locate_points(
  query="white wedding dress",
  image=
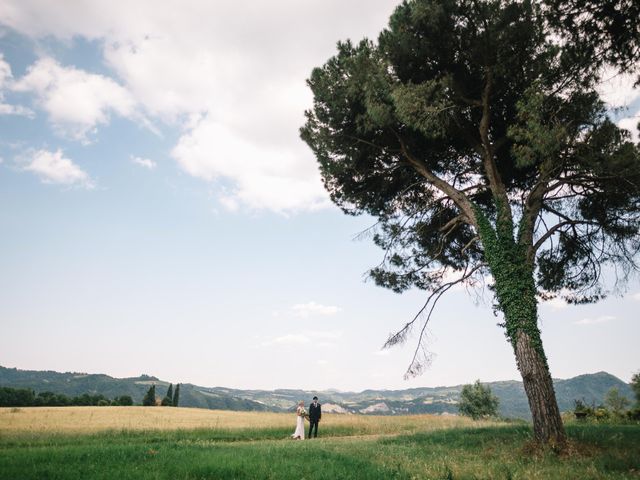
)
(299, 433)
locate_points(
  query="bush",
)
(601, 413)
(635, 386)
(582, 411)
(149, 399)
(124, 400)
(477, 401)
(634, 414)
(16, 397)
(616, 402)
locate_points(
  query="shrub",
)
(477, 401)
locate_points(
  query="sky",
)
(160, 215)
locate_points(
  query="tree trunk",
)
(515, 291)
(538, 385)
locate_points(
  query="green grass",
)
(501, 452)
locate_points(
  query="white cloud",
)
(6, 109)
(241, 73)
(6, 79)
(5, 71)
(76, 101)
(53, 167)
(263, 177)
(595, 321)
(144, 162)
(617, 90)
(305, 310)
(320, 339)
(631, 124)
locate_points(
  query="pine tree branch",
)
(458, 197)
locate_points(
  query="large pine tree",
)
(483, 149)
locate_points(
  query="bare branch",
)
(415, 367)
(432, 300)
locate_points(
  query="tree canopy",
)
(477, 401)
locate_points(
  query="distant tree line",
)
(171, 399)
(24, 397)
(615, 406)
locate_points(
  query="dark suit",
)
(315, 413)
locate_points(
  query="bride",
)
(301, 413)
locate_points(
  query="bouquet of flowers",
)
(303, 413)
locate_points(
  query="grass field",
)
(157, 443)
(95, 419)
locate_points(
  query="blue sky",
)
(160, 215)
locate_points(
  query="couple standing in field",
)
(313, 415)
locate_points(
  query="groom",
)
(315, 412)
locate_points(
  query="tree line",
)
(615, 406)
(25, 397)
(477, 401)
(171, 399)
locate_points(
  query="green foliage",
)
(615, 413)
(635, 386)
(385, 113)
(149, 399)
(514, 286)
(123, 400)
(477, 401)
(616, 402)
(21, 397)
(176, 396)
(16, 397)
(167, 401)
(582, 410)
(601, 30)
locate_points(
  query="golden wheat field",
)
(97, 419)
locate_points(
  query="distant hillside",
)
(73, 384)
(590, 388)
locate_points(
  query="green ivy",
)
(515, 288)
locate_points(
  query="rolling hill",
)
(591, 388)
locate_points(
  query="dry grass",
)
(96, 419)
